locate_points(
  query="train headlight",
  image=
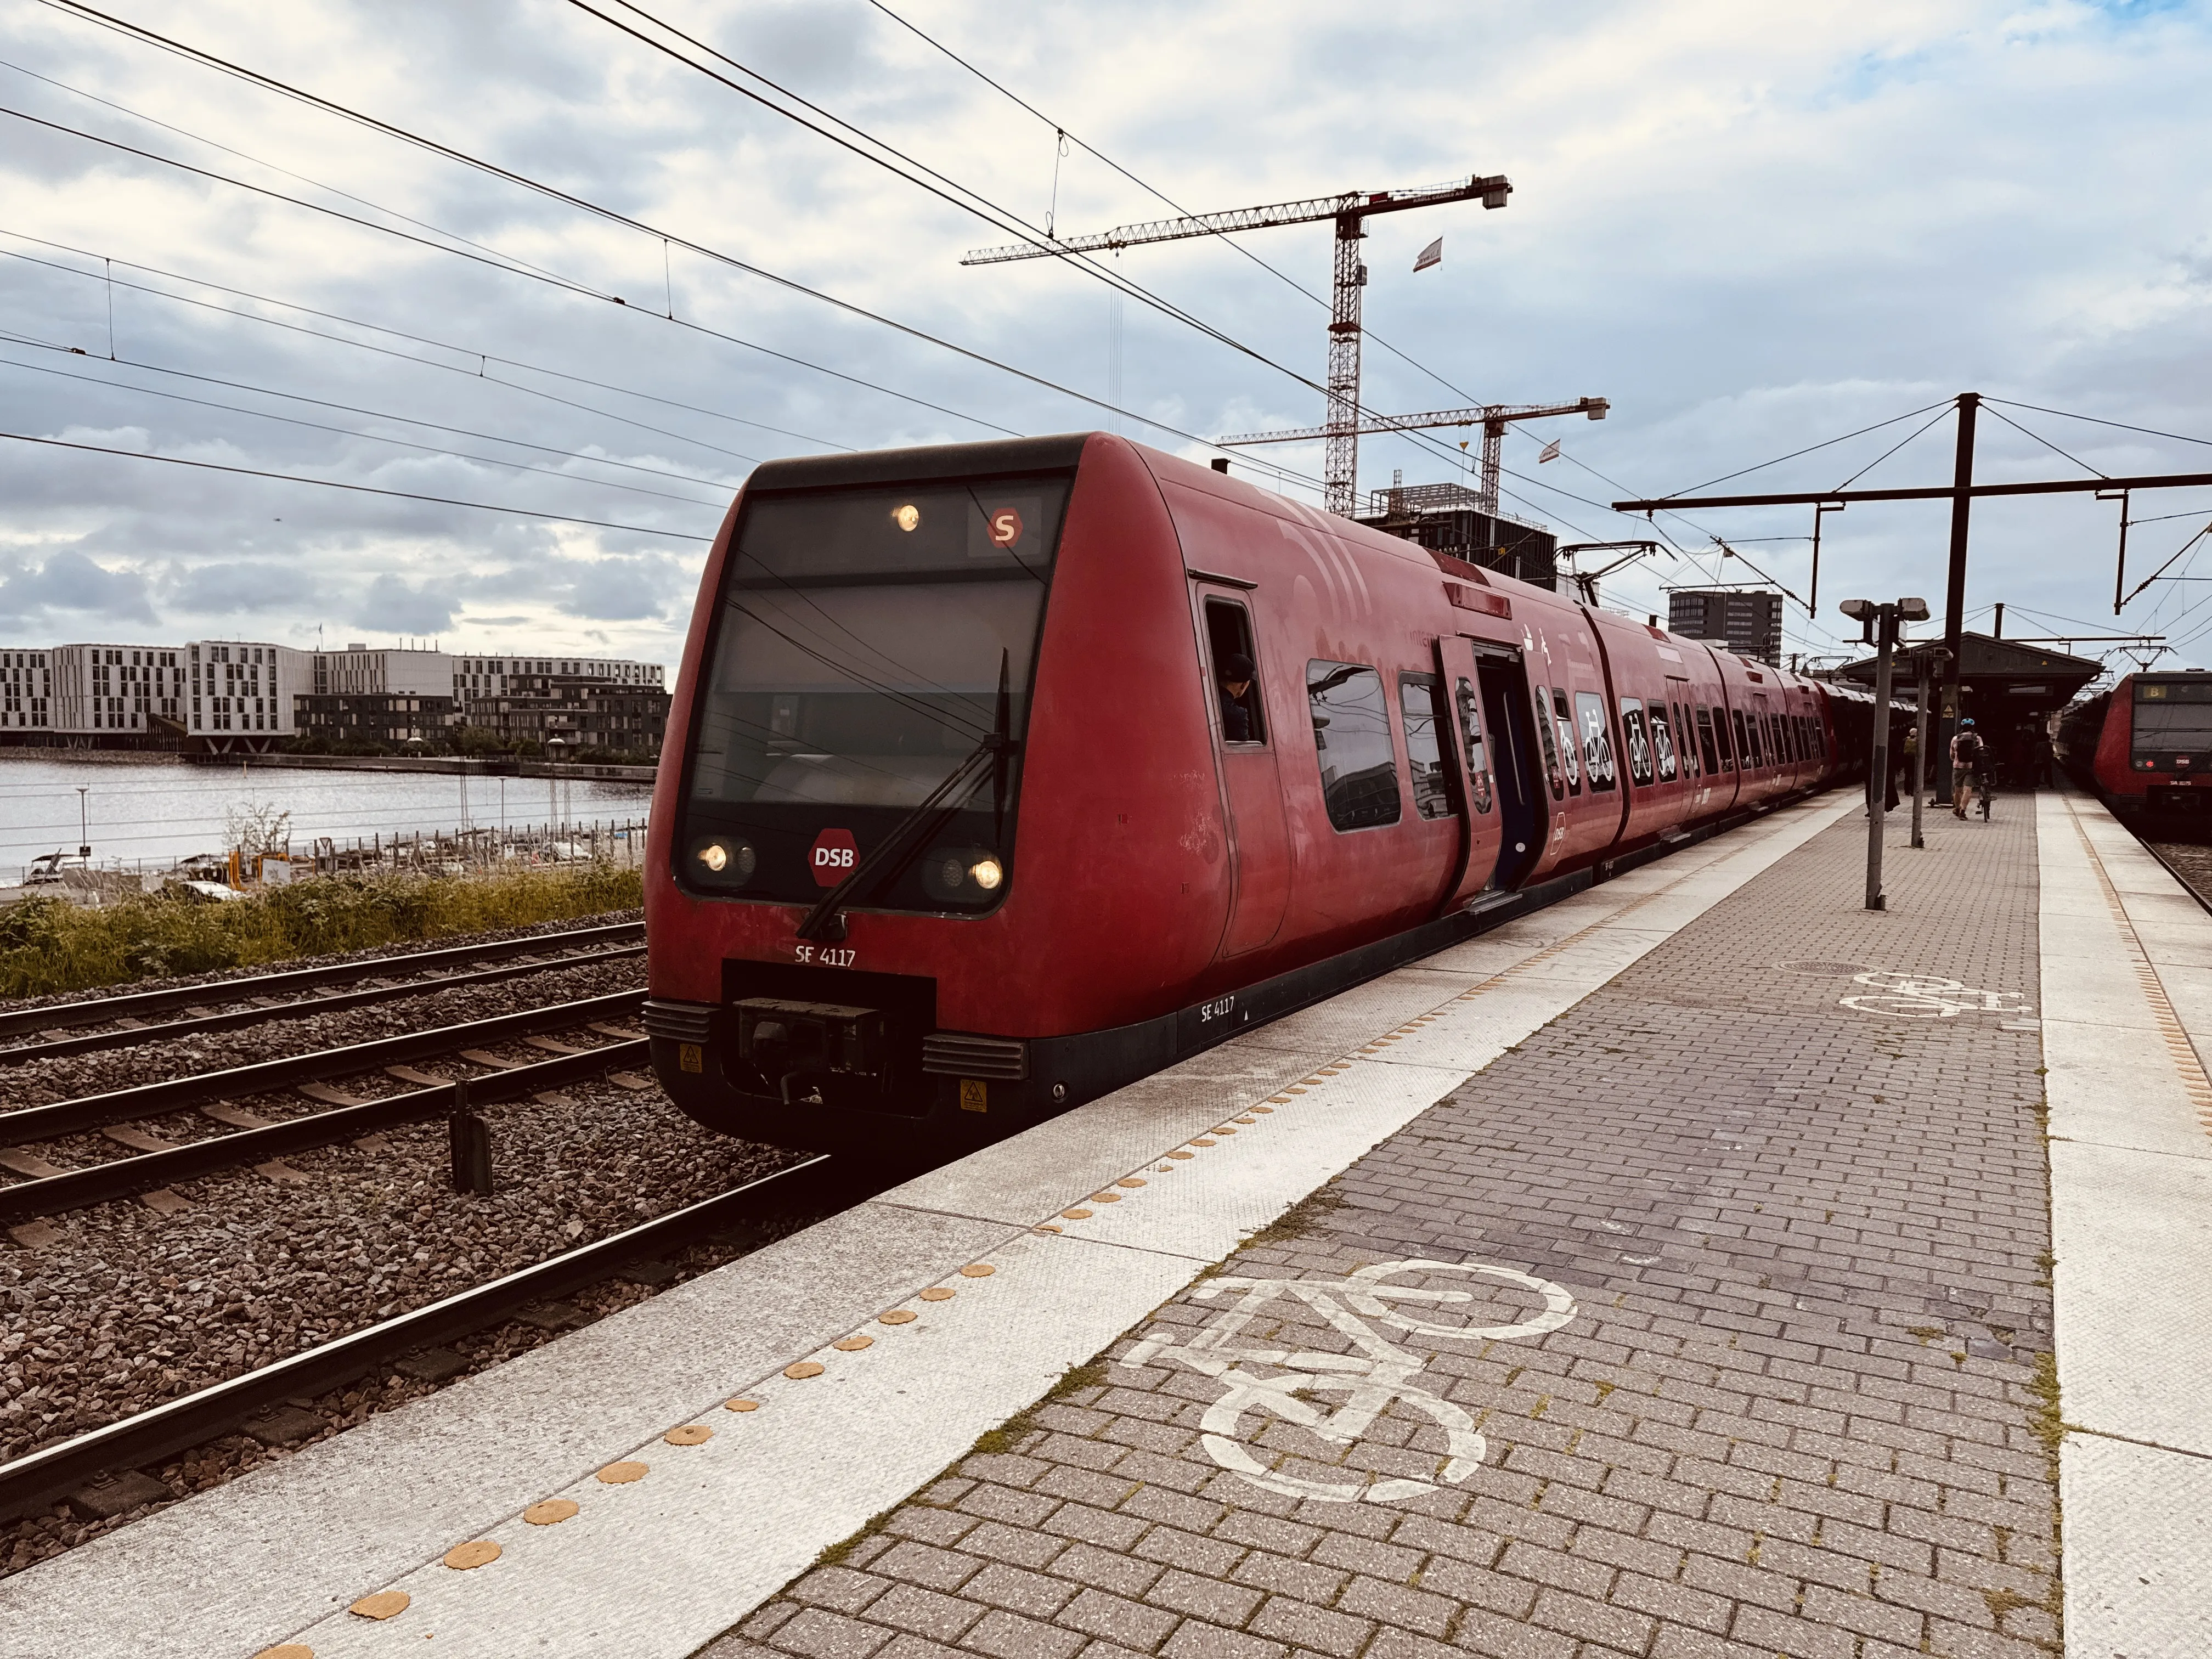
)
(725, 861)
(962, 875)
(908, 517)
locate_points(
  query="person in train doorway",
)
(1969, 755)
(1235, 682)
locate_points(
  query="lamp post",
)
(1880, 623)
(83, 825)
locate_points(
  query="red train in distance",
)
(2146, 744)
(1004, 774)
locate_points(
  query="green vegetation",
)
(50, 945)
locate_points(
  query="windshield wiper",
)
(826, 920)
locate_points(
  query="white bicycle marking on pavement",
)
(1917, 996)
(1371, 1379)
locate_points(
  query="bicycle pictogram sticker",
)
(1919, 996)
(1377, 1374)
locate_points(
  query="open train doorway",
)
(1505, 710)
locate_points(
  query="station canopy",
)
(2000, 681)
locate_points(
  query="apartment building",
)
(27, 693)
(242, 693)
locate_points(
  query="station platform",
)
(1702, 1266)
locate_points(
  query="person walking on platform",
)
(1969, 754)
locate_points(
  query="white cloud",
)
(1750, 235)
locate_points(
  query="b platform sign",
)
(833, 857)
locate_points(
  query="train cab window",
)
(1228, 638)
(1597, 741)
(1478, 754)
(1637, 737)
(1420, 699)
(1352, 739)
(1705, 746)
(1563, 717)
(1663, 744)
(1549, 740)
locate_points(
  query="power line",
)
(347, 432)
(1824, 444)
(554, 193)
(2048, 445)
(359, 490)
(1280, 275)
(2069, 414)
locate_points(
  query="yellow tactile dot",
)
(897, 1316)
(940, 1292)
(1075, 1215)
(977, 1270)
(691, 1434)
(853, 1343)
(1202, 1141)
(1105, 1197)
(1045, 1227)
(1248, 1120)
(1182, 1155)
(384, 1604)
(621, 1474)
(1263, 1109)
(799, 1370)
(1221, 1129)
(286, 1651)
(475, 1553)
(1296, 1089)
(741, 1404)
(551, 1513)
(1130, 1181)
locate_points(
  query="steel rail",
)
(58, 1015)
(37, 1478)
(65, 1117)
(171, 1030)
(102, 1183)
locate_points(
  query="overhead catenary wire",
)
(361, 489)
(584, 204)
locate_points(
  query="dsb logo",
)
(834, 854)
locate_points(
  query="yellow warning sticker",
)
(975, 1096)
(691, 1056)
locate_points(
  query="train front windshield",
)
(2172, 722)
(870, 641)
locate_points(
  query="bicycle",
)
(1982, 788)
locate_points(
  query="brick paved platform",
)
(1765, 1372)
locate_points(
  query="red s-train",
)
(2146, 744)
(970, 813)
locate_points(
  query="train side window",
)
(1685, 737)
(1705, 744)
(1351, 741)
(1663, 743)
(1721, 738)
(1597, 741)
(1478, 755)
(1420, 698)
(1229, 633)
(1549, 738)
(1638, 741)
(1562, 716)
(1757, 739)
(1819, 736)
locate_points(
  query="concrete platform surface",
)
(1086, 1225)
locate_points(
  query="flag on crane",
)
(1550, 452)
(1433, 254)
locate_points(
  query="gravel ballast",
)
(122, 1307)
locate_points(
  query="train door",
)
(1509, 722)
(1252, 787)
(1474, 742)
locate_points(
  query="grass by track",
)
(49, 944)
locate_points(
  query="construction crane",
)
(1494, 418)
(1351, 211)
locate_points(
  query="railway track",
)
(53, 1191)
(41, 1478)
(577, 947)
(2189, 863)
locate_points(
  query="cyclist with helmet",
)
(1970, 756)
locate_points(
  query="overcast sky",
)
(1752, 228)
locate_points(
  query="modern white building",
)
(241, 691)
(26, 691)
(498, 676)
(107, 691)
